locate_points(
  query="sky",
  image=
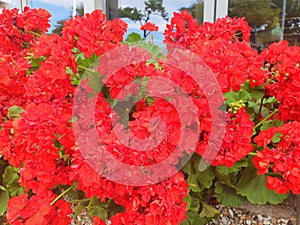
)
(62, 9)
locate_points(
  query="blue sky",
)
(62, 9)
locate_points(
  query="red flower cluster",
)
(37, 210)
(162, 203)
(40, 75)
(224, 46)
(149, 26)
(280, 157)
(41, 142)
(284, 80)
(237, 140)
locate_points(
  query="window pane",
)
(266, 19)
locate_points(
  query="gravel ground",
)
(229, 216)
(283, 214)
(234, 216)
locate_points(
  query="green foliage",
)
(95, 207)
(235, 168)
(9, 186)
(133, 37)
(271, 123)
(14, 112)
(10, 181)
(208, 211)
(4, 197)
(276, 138)
(227, 195)
(253, 187)
(199, 181)
(131, 13)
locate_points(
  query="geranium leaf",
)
(10, 175)
(198, 180)
(14, 112)
(233, 97)
(208, 211)
(10, 181)
(4, 196)
(227, 195)
(133, 37)
(235, 168)
(114, 208)
(256, 93)
(253, 187)
(78, 209)
(277, 138)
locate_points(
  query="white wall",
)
(214, 9)
(91, 5)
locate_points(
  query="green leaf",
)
(4, 197)
(14, 112)
(235, 168)
(201, 221)
(153, 49)
(193, 218)
(209, 211)
(270, 100)
(198, 180)
(100, 212)
(133, 37)
(95, 81)
(69, 71)
(276, 138)
(78, 209)
(227, 195)
(10, 175)
(271, 123)
(206, 177)
(233, 97)
(150, 100)
(2, 188)
(35, 62)
(195, 200)
(75, 193)
(113, 208)
(253, 187)
(85, 63)
(97, 208)
(256, 92)
(10, 181)
(194, 183)
(74, 119)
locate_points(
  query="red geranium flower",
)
(149, 26)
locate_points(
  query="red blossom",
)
(149, 26)
(282, 158)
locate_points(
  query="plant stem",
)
(266, 118)
(252, 154)
(80, 200)
(82, 67)
(32, 32)
(260, 107)
(62, 194)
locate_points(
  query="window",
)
(271, 20)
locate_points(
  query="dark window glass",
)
(268, 20)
